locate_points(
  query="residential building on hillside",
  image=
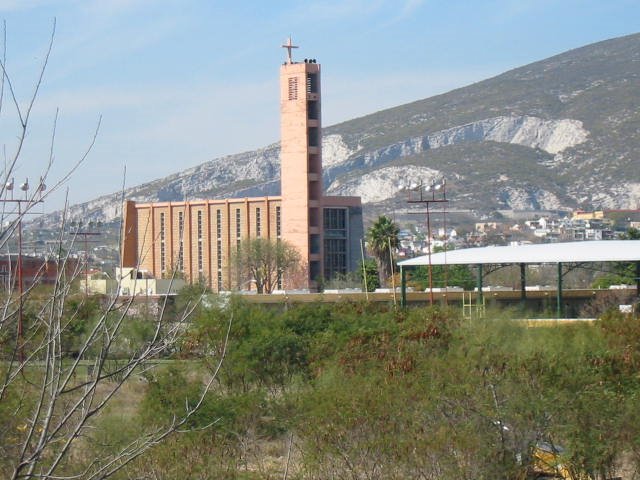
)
(198, 238)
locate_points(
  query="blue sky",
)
(178, 83)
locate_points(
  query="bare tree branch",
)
(56, 402)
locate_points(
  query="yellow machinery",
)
(546, 463)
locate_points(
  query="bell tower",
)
(301, 160)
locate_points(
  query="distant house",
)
(583, 215)
(132, 281)
(484, 227)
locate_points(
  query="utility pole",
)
(85, 234)
(427, 196)
(19, 202)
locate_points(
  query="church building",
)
(198, 238)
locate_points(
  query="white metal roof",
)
(588, 251)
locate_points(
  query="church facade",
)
(198, 238)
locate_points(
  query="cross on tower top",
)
(289, 45)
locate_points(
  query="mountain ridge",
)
(561, 133)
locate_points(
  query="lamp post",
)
(426, 194)
(19, 202)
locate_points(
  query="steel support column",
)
(559, 295)
(523, 284)
(479, 283)
(403, 287)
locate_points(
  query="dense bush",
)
(367, 391)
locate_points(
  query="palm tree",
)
(382, 236)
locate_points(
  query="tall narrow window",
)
(314, 163)
(279, 281)
(258, 223)
(293, 88)
(335, 242)
(312, 83)
(313, 110)
(180, 265)
(314, 243)
(238, 227)
(200, 261)
(219, 247)
(163, 264)
(313, 136)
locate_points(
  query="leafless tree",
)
(49, 402)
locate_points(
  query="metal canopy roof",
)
(587, 251)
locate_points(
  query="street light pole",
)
(19, 202)
(20, 283)
(427, 196)
(429, 254)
